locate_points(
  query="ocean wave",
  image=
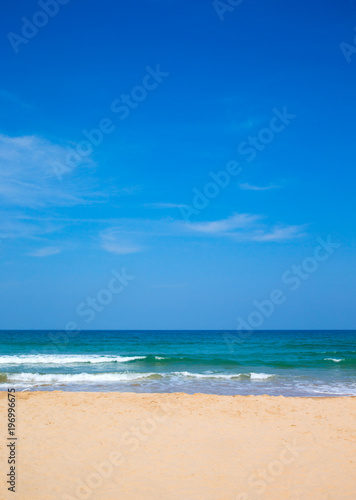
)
(207, 375)
(49, 378)
(80, 377)
(261, 376)
(234, 376)
(64, 359)
(147, 359)
(153, 361)
(339, 390)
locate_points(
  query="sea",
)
(279, 363)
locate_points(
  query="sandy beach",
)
(180, 447)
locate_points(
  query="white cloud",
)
(236, 221)
(29, 183)
(16, 226)
(45, 252)
(112, 240)
(28, 174)
(128, 234)
(250, 187)
(280, 233)
(166, 205)
(247, 227)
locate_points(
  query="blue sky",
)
(226, 150)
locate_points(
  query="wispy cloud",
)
(124, 191)
(248, 124)
(280, 233)
(250, 187)
(114, 241)
(166, 205)
(248, 227)
(45, 252)
(236, 221)
(14, 99)
(29, 188)
(13, 226)
(28, 178)
(134, 235)
(173, 285)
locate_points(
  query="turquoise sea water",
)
(288, 363)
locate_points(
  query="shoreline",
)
(169, 446)
(60, 391)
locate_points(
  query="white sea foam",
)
(252, 376)
(334, 359)
(78, 377)
(64, 359)
(56, 378)
(261, 376)
(339, 389)
(207, 375)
